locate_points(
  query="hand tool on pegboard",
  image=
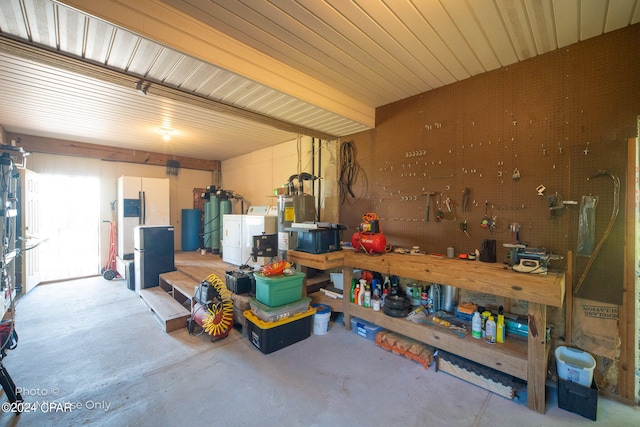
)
(485, 220)
(439, 214)
(465, 199)
(448, 202)
(463, 227)
(428, 204)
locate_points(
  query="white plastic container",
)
(336, 278)
(321, 319)
(575, 365)
(490, 334)
(476, 325)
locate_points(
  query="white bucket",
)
(321, 319)
(575, 365)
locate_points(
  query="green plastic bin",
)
(275, 291)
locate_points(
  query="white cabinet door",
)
(232, 239)
(129, 186)
(156, 196)
(153, 196)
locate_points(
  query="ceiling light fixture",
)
(166, 133)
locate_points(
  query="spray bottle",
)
(363, 285)
(376, 288)
(352, 297)
(356, 292)
(385, 289)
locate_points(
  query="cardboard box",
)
(578, 399)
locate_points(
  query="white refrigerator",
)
(237, 237)
(141, 201)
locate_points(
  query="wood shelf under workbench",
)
(322, 262)
(525, 359)
(509, 357)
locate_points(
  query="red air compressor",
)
(369, 237)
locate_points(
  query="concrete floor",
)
(92, 345)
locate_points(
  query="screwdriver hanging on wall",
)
(463, 227)
(440, 214)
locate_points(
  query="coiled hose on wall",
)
(348, 170)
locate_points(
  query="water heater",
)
(292, 208)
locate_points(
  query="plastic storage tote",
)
(273, 314)
(272, 336)
(365, 329)
(275, 291)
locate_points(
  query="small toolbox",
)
(241, 282)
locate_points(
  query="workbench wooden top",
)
(489, 278)
(322, 261)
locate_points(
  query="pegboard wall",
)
(520, 140)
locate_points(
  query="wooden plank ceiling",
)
(228, 77)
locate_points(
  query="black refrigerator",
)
(153, 254)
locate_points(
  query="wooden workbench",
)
(320, 261)
(525, 359)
